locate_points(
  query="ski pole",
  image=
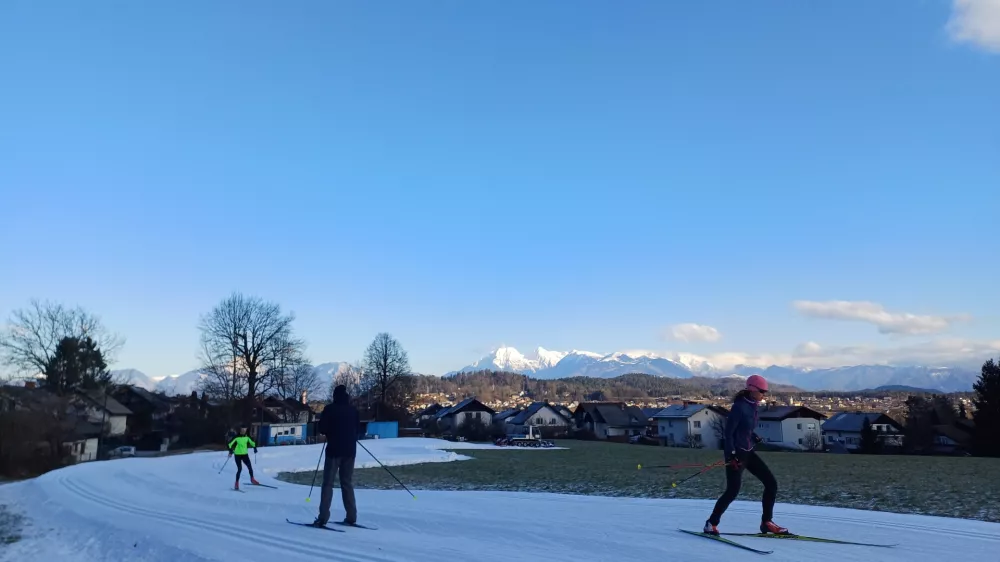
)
(386, 469)
(700, 472)
(689, 465)
(224, 464)
(315, 472)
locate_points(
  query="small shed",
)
(280, 433)
(382, 429)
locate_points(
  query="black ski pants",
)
(240, 461)
(734, 479)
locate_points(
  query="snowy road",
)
(181, 508)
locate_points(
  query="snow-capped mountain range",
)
(547, 364)
(184, 383)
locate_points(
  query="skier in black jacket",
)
(739, 454)
(339, 422)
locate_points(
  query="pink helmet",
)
(757, 382)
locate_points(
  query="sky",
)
(799, 183)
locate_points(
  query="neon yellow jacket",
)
(238, 445)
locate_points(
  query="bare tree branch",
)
(813, 441)
(246, 345)
(29, 341)
(386, 363)
(351, 377)
(719, 428)
(297, 379)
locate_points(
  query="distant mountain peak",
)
(547, 364)
(545, 358)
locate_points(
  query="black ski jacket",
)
(340, 423)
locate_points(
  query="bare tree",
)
(297, 379)
(385, 366)
(386, 363)
(29, 341)
(812, 441)
(351, 377)
(246, 343)
(719, 428)
(692, 440)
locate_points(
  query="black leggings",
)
(240, 461)
(734, 478)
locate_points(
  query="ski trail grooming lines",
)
(357, 525)
(725, 541)
(314, 526)
(794, 537)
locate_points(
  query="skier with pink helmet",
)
(739, 454)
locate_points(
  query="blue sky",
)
(465, 175)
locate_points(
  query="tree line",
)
(497, 385)
(925, 414)
(248, 350)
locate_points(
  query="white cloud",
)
(808, 349)
(934, 353)
(945, 352)
(976, 22)
(873, 313)
(693, 332)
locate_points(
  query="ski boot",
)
(710, 529)
(236, 486)
(767, 527)
(254, 481)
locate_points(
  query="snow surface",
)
(181, 508)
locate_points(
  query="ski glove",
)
(255, 450)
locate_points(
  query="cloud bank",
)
(934, 353)
(693, 332)
(976, 22)
(903, 323)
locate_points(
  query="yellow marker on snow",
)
(640, 467)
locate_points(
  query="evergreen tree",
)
(870, 444)
(919, 431)
(987, 414)
(77, 364)
(944, 411)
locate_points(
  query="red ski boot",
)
(254, 481)
(769, 527)
(710, 529)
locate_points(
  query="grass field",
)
(946, 486)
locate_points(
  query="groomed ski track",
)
(181, 508)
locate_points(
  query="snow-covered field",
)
(181, 508)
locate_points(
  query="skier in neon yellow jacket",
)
(238, 446)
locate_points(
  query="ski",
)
(726, 541)
(314, 526)
(358, 525)
(792, 536)
(264, 485)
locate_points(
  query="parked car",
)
(123, 451)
